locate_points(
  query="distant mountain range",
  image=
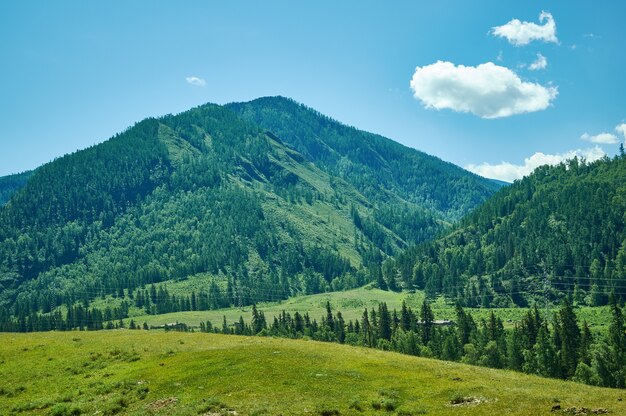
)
(267, 199)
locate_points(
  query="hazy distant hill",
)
(12, 183)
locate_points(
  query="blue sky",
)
(74, 73)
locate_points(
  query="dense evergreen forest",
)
(559, 231)
(210, 191)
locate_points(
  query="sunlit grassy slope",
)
(351, 303)
(167, 373)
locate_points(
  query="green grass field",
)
(351, 304)
(167, 373)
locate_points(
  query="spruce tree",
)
(405, 317)
(545, 359)
(569, 337)
(329, 322)
(427, 322)
(384, 322)
(368, 339)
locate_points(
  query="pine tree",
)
(257, 322)
(616, 356)
(340, 328)
(427, 322)
(543, 359)
(405, 317)
(384, 322)
(586, 340)
(515, 350)
(368, 338)
(329, 322)
(569, 337)
(465, 325)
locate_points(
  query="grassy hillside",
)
(148, 372)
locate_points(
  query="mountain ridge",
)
(323, 140)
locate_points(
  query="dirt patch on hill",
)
(466, 401)
(579, 411)
(161, 404)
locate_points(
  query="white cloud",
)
(508, 172)
(522, 33)
(602, 138)
(199, 82)
(486, 90)
(621, 128)
(540, 63)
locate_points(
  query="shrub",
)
(327, 411)
(63, 409)
(211, 405)
(356, 405)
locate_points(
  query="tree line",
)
(556, 346)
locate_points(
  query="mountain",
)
(11, 184)
(211, 193)
(381, 169)
(559, 230)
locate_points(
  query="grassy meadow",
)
(351, 304)
(167, 373)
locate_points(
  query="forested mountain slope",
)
(11, 184)
(380, 168)
(559, 230)
(207, 192)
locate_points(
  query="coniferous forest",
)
(558, 231)
(555, 346)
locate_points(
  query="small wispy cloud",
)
(602, 138)
(621, 128)
(198, 82)
(540, 63)
(509, 172)
(520, 33)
